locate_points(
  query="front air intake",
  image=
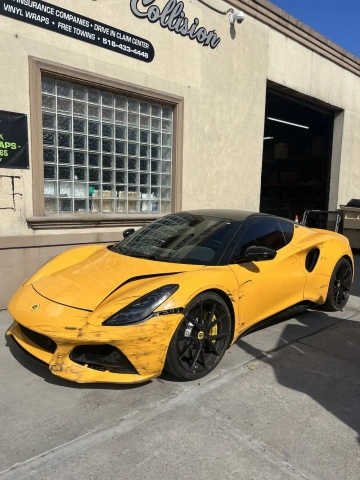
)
(40, 340)
(102, 358)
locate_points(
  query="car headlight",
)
(142, 308)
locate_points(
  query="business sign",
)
(65, 22)
(13, 140)
(173, 17)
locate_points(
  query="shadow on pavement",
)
(325, 365)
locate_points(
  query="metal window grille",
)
(103, 152)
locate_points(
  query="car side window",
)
(288, 230)
(262, 233)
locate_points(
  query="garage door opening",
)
(296, 156)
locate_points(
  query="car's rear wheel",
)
(201, 339)
(339, 286)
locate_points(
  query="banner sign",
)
(13, 140)
(65, 22)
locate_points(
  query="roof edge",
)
(273, 16)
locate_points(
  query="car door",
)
(267, 287)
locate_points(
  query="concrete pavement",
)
(283, 404)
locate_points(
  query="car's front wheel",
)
(201, 339)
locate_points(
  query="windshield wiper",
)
(146, 257)
(117, 248)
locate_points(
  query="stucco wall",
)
(223, 90)
(307, 72)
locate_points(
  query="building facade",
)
(116, 113)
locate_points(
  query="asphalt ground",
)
(284, 403)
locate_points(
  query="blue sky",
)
(338, 21)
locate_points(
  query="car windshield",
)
(180, 238)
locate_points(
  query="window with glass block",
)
(104, 152)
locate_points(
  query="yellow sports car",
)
(174, 294)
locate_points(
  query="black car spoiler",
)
(332, 220)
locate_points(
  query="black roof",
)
(236, 215)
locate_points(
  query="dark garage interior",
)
(296, 156)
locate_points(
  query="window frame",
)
(39, 220)
(283, 221)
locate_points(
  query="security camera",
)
(237, 17)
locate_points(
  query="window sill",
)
(51, 222)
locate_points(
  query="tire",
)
(339, 286)
(201, 339)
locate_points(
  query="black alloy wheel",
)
(201, 339)
(340, 286)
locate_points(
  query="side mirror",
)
(260, 254)
(128, 232)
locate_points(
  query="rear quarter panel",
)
(332, 247)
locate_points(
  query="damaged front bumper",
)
(127, 354)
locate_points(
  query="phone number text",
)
(125, 48)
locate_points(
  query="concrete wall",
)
(224, 100)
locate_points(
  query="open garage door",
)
(296, 156)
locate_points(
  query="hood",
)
(88, 283)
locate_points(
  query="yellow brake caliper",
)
(214, 329)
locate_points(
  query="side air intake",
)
(312, 259)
